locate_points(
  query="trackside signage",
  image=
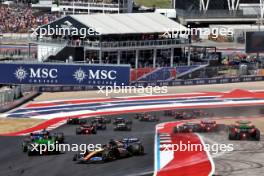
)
(64, 74)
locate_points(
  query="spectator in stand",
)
(17, 19)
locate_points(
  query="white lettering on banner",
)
(43, 73)
(103, 74)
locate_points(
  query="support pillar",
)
(137, 56)
(100, 56)
(118, 57)
(154, 57)
(172, 57)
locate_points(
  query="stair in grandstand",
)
(50, 51)
(185, 70)
(75, 53)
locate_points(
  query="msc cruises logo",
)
(36, 75)
(80, 75)
(21, 73)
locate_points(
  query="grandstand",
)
(135, 39)
(163, 73)
(219, 11)
(87, 6)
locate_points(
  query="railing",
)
(83, 4)
(214, 14)
(10, 94)
(170, 73)
(143, 43)
(121, 44)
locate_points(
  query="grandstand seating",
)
(163, 74)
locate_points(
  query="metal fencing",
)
(10, 94)
(195, 72)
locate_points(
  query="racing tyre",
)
(78, 131)
(257, 137)
(94, 131)
(75, 157)
(232, 136)
(60, 138)
(108, 156)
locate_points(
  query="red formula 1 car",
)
(243, 130)
(208, 125)
(86, 129)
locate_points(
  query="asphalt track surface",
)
(247, 159)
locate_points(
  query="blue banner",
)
(64, 74)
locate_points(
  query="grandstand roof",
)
(129, 23)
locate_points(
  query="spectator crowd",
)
(20, 19)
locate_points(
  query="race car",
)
(148, 118)
(139, 115)
(180, 115)
(86, 129)
(122, 127)
(188, 127)
(208, 125)
(76, 121)
(201, 113)
(169, 112)
(243, 130)
(119, 120)
(43, 137)
(115, 149)
(99, 126)
(100, 119)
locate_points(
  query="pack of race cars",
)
(100, 123)
(117, 149)
(241, 130)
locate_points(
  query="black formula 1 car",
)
(101, 119)
(86, 129)
(203, 126)
(119, 120)
(99, 126)
(187, 114)
(139, 115)
(169, 112)
(76, 121)
(243, 130)
(148, 118)
(201, 113)
(187, 128)
(115, 149)
(122, 127)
